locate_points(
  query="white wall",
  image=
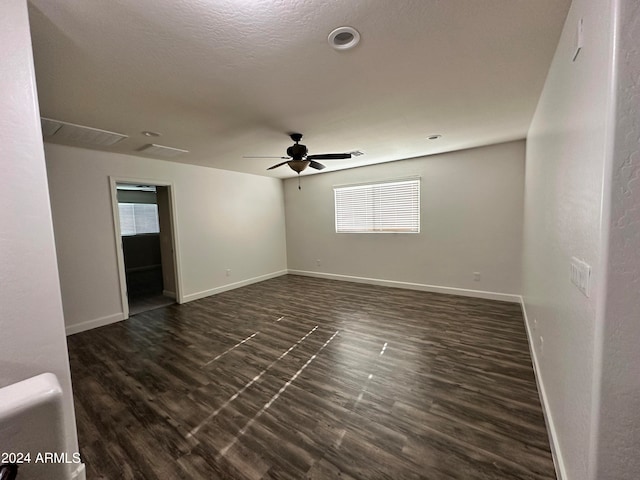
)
(32, 339)
(568, 148)
(471, 216)
(618, 424)
(225, 220)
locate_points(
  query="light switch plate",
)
(580, 275)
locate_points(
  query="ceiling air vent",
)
(71, 133)
(356, 153)
(162, 151)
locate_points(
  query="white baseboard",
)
(79, 473)
(231, 286)
(505, 297)
(548, 418)
(95, 323)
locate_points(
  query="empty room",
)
(364, 239)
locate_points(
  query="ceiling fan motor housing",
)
(297, 151)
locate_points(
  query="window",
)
(138, 218)
(379, 207)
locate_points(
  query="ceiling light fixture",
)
(344, 38)
(434, 137)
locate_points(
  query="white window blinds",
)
(138, 218)
(378, 207)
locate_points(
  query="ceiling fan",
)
(298, 160)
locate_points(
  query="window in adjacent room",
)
(138, 218)
(385, 207)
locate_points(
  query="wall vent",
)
(162, 151)
(72, 133)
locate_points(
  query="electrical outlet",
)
(476, 276)
(318, 262)
(228, 272)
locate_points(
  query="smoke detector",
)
(344, 38)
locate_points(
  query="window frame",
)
(373, 221)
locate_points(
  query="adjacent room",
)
(262, 239)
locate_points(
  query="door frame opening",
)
(113, 182)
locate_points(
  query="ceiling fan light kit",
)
(299, 165)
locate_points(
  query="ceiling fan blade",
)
(247, 156)
(329, 156)
(278, 165)
(316, 165)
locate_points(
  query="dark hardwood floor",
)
(300, 377)
(144, 303)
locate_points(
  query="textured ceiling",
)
(229, 78)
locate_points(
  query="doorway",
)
(143, 214)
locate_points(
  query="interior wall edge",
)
(556, 452)
(487, 295)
